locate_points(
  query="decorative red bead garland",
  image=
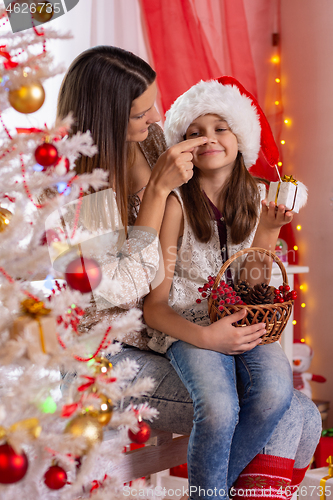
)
(101, 346)
(27, 190)
(11, 280)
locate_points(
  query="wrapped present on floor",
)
(289, 192)
(37, 327)
(317, 483)
(324, 449)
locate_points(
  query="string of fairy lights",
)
(280, 123)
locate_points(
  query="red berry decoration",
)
(224, 293)
(142, 435)
(61, 166)
(83, 274)
(55, 477)
(46, 154)
(13, 466)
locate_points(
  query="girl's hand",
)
(223, 337)
(174, 167)
(273, 217)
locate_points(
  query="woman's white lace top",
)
(194, 263)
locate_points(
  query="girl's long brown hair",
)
(99, 89)
(239, 199)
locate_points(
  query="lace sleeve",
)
(130, 271)
(129, 264)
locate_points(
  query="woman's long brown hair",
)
(239, 199)
(99, 89)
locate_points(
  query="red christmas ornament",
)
(46, 154)
(55, 477)
(61, 166)
(83, 274)
(142, 435)
(13, 466)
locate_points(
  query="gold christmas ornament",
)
(86, 426)
(31, 425)
(44, 12)
(5, 216)
(28, 98)
(102, 411)
(102, 366)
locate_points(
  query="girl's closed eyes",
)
(194, 131)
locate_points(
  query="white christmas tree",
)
(58, 391)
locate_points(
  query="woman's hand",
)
(272, 217)
(223, 337)
(174, 167)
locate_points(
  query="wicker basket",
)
(274, 315)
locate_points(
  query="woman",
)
(112, 92)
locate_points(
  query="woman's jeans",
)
(226, 434)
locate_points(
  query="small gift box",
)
(288, 192)
(323, 450)
(317, 483)
(37, 326)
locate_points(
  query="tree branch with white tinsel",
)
(59, 395)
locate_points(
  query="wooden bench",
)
(163, 451)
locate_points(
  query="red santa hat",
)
(227, 98)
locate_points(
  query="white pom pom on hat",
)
(227, 98)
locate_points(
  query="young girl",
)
(210, 218)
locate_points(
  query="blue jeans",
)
(298, 432)
(227, 435)
(296, 435)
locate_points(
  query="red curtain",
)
(193, 40)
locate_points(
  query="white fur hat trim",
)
(224, 100)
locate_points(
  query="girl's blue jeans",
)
(238, 402)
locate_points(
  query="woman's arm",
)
(257, 268)
(220, 336)
(135, 265)
(172, 169)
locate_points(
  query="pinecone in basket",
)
(260, 294)
(242, 289)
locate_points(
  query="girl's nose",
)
(153, 115)
(211, 136)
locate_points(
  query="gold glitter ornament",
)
(5, 216)
(28, 98)
(44, 12)
(102, 366)
(86, 426)
(103, 414)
